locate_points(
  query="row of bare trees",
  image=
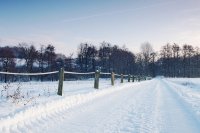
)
(171, 61)
(26, 58)
(179, 61)
(107, 58)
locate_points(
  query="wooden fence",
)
(97, 74)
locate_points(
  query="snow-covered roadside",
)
(34, 93)
(123, 111)
(154, 106)
(54, 105)
(189, 91)
(145, 107)
(193, 83)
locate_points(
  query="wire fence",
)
(28, 74)
(77, 73)
(96, 75)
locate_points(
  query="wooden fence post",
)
(5, 78)
(133, 78)
(96, 79)
(129, 78)
(112, 78)
(122, 78)
(60, 84)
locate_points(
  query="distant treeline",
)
(171, 61)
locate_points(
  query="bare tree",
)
(29, 53)
(41, 60)
(196, 62)
(7, 59)
(166, 55)
(105, 51)
(50, 56)
(187, 52)
(176, 54)
(146, 50)
(86, 56)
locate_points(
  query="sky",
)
(67, 23)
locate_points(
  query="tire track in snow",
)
(150, 107)
(190, 98)
(101, 118)
(31, 116)
(145, 107)
(124, 111)
(177, 117)
(146, 118)
(134, 110)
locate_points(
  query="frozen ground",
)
(155, 106)
(34, 93)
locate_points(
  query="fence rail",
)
(117, 74)
(77, 73)
(96, 77)
(105, 73)
(29, 74)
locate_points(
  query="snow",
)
(160, 105)
(42, 92)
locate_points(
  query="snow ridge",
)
(42, 111)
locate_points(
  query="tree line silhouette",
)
(171, 61)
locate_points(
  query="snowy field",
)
(160, 105)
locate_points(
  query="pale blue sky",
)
(66, 23)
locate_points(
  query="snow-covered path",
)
(153, 106)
